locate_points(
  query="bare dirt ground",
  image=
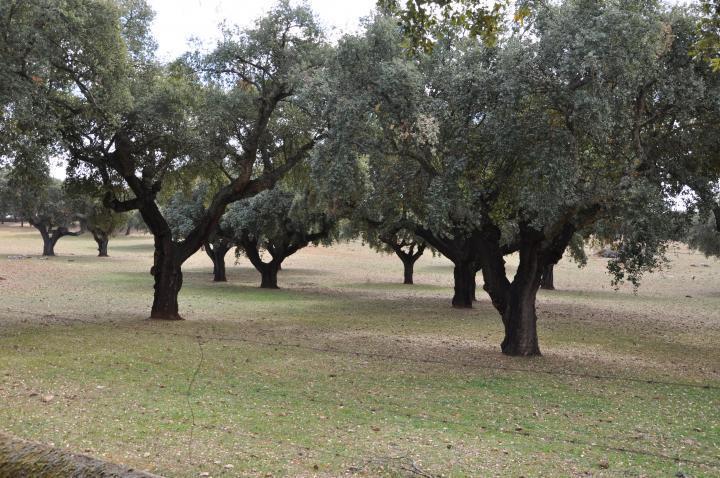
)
(345, 371)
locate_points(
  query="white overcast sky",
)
(177, 21)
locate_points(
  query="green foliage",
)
(136, 222)
(704, 235)
(576, 248)
(104, 220)
(279, 220)
(50, 207)
(423, 21)
(581, 122)
(707, 46)
(184, 211)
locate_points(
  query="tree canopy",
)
(518, 146)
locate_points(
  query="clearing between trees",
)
(345, 371)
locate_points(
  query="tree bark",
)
(102, 240)
(51, 236)
(520, 318)
(269, 275)
(464, 274)
(48, 243)
(217, 251)
(408, 266)
(547, 281)
(167, 272)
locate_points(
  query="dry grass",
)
(345, 371)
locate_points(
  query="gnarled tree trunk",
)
(268, 270)
(515, 301)
(102, 239)
(519, 317)
(167, 273)
(48, 243)
(51, 236)
(217, 251)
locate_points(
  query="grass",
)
(346, 372)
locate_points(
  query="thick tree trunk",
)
(268, 270)
(408, 266)
(218, 252)
(520, 321)
(49, 238)
(547, 281)
(464, 274)
(49, 245)
(102, 240)
(168, 280)
(219, 274)
(519, 317)
(269, 275)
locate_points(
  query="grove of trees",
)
(473, 131)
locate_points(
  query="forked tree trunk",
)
(167, 273)
(268, 270)
(408, 257)
(51, 236)
(464, 274)
(102, 240)
(547, 281)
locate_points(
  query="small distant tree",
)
(6, 203)
(280, 223)
(405, 245)
(52, 213)
(103, 223)
(408, 248)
